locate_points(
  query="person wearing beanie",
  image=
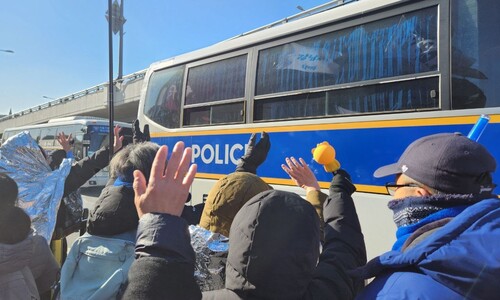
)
(448, 219)
(274, 251)
(27, 267)
(226, 198)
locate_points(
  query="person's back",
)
(274, 242)
(96, 268)
(448, 237)
(274, 246)
(98, 262)
(27, 267)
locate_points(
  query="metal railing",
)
(62, 100)
(303, 14)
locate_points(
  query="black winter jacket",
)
(114, 211)
(84, 169)
(79, 173)
(274, 247)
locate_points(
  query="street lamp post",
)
(7, 50)
(111, 85)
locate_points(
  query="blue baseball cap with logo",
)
(447, 162)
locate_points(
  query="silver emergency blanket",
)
(211, 254)
(40, 188)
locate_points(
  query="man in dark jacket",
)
(274, 246)
(87, 167)
(448, 237)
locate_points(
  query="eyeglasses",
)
(392, 187)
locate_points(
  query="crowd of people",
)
(274, 244)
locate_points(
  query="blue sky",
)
(61, 46)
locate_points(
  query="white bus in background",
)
(89, 135)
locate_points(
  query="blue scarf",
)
(412, 213)
(120, 182)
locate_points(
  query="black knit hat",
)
(447, 162)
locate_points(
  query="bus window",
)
(47, 137)
(216, 82)
(163, 100)
(476, 48)
(78, 151)
(35, 134)
(98, 137)
(397, 46)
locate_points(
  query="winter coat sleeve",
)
(164, 265)
(344, 247)
(43, 265)
(84, 169)
(317, 199)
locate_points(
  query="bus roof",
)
(264, 33)
(82, 120)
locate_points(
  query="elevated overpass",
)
(89, 102)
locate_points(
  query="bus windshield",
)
(98, 136)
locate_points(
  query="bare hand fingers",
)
(158, 167)
(139, 190)
(184, 163)
(189, 178)
(175, 160)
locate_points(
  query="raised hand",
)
(301, 174)
(118, 140)
(255, 154)
(168, 188)
(138, 136)
(64, 141)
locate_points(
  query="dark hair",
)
(133, 157)
(56, 158)
(15, 225)
(9, 190)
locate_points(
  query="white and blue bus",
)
(89, 135)
(368, 76)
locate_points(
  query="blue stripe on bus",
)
(360, 151)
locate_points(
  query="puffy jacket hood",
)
(274, 247)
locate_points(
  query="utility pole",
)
(121, 21)
(111, 85)
(116, 20)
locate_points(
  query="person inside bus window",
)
(166, 111)
(28, 268)
(448, 219)
(275, 240)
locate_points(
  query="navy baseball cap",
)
(447, 162)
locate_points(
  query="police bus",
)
(89, 135)
(368, 76)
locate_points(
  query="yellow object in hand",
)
(324, 154)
